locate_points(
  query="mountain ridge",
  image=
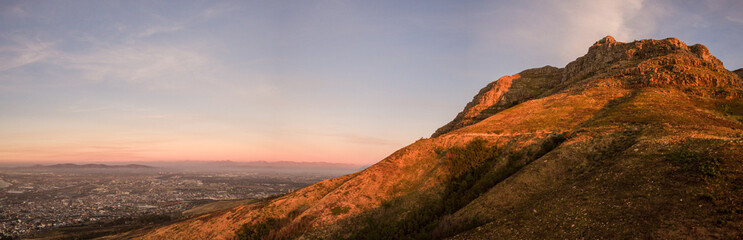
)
(500, 94)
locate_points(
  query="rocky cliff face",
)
(667, 62)
(504, 93)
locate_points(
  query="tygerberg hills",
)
(632, 140)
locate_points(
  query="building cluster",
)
(37, 202)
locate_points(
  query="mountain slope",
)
(638, 139)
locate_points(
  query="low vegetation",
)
(702, 164)
(270, 227)
(474, 169)
(733, 110)
(551, 143)
(339, 210)
(461, 160)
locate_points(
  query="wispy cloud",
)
(15, 10)
(154, 30)
(79, 109)
(23, 50)
(143, 65)
(571, 25)
(361, 139)
(132, 58)
(217, 10)
(600, 18)
(148, 66)
(76, 151)
(130, 111)
(735, 19)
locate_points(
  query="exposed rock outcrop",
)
(650, 62)
(640, 63)
(502, 94)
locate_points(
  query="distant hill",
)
(639, 140)
(265, 167)
(286, 164)
(88, 166)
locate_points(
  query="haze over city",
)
(331, 81)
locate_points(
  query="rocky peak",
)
(650, 62)
(604, 41)
(702, 52)
(650, 55)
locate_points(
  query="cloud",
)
(595, 19)
(79, 109)
(559, 30)
(145, 65)
(71, 151)
(23, 51)
(149, 66)
(361, 139)
(218, 10)
(154, 30)
(16, 11)
(735, 19)
(127, 55)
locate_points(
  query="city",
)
(32, 201)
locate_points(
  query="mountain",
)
(260, 167)
(85, 166)
(632, 140)
(277, 164)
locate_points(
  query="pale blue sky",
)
(336, 81)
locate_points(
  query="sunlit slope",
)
(409, 169)
(639, 139)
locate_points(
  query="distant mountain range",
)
(288, 167)
(84, 166)
(286, 164)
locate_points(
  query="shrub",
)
(700, 163)
(475, 153)
(257, 231)
(269, 228)
(149, 218)
(726, 109)
(339, 210)
(550, 144)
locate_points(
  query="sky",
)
(319, 81)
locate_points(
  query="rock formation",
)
(642, 63)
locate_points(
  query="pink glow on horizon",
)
(206, 151)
